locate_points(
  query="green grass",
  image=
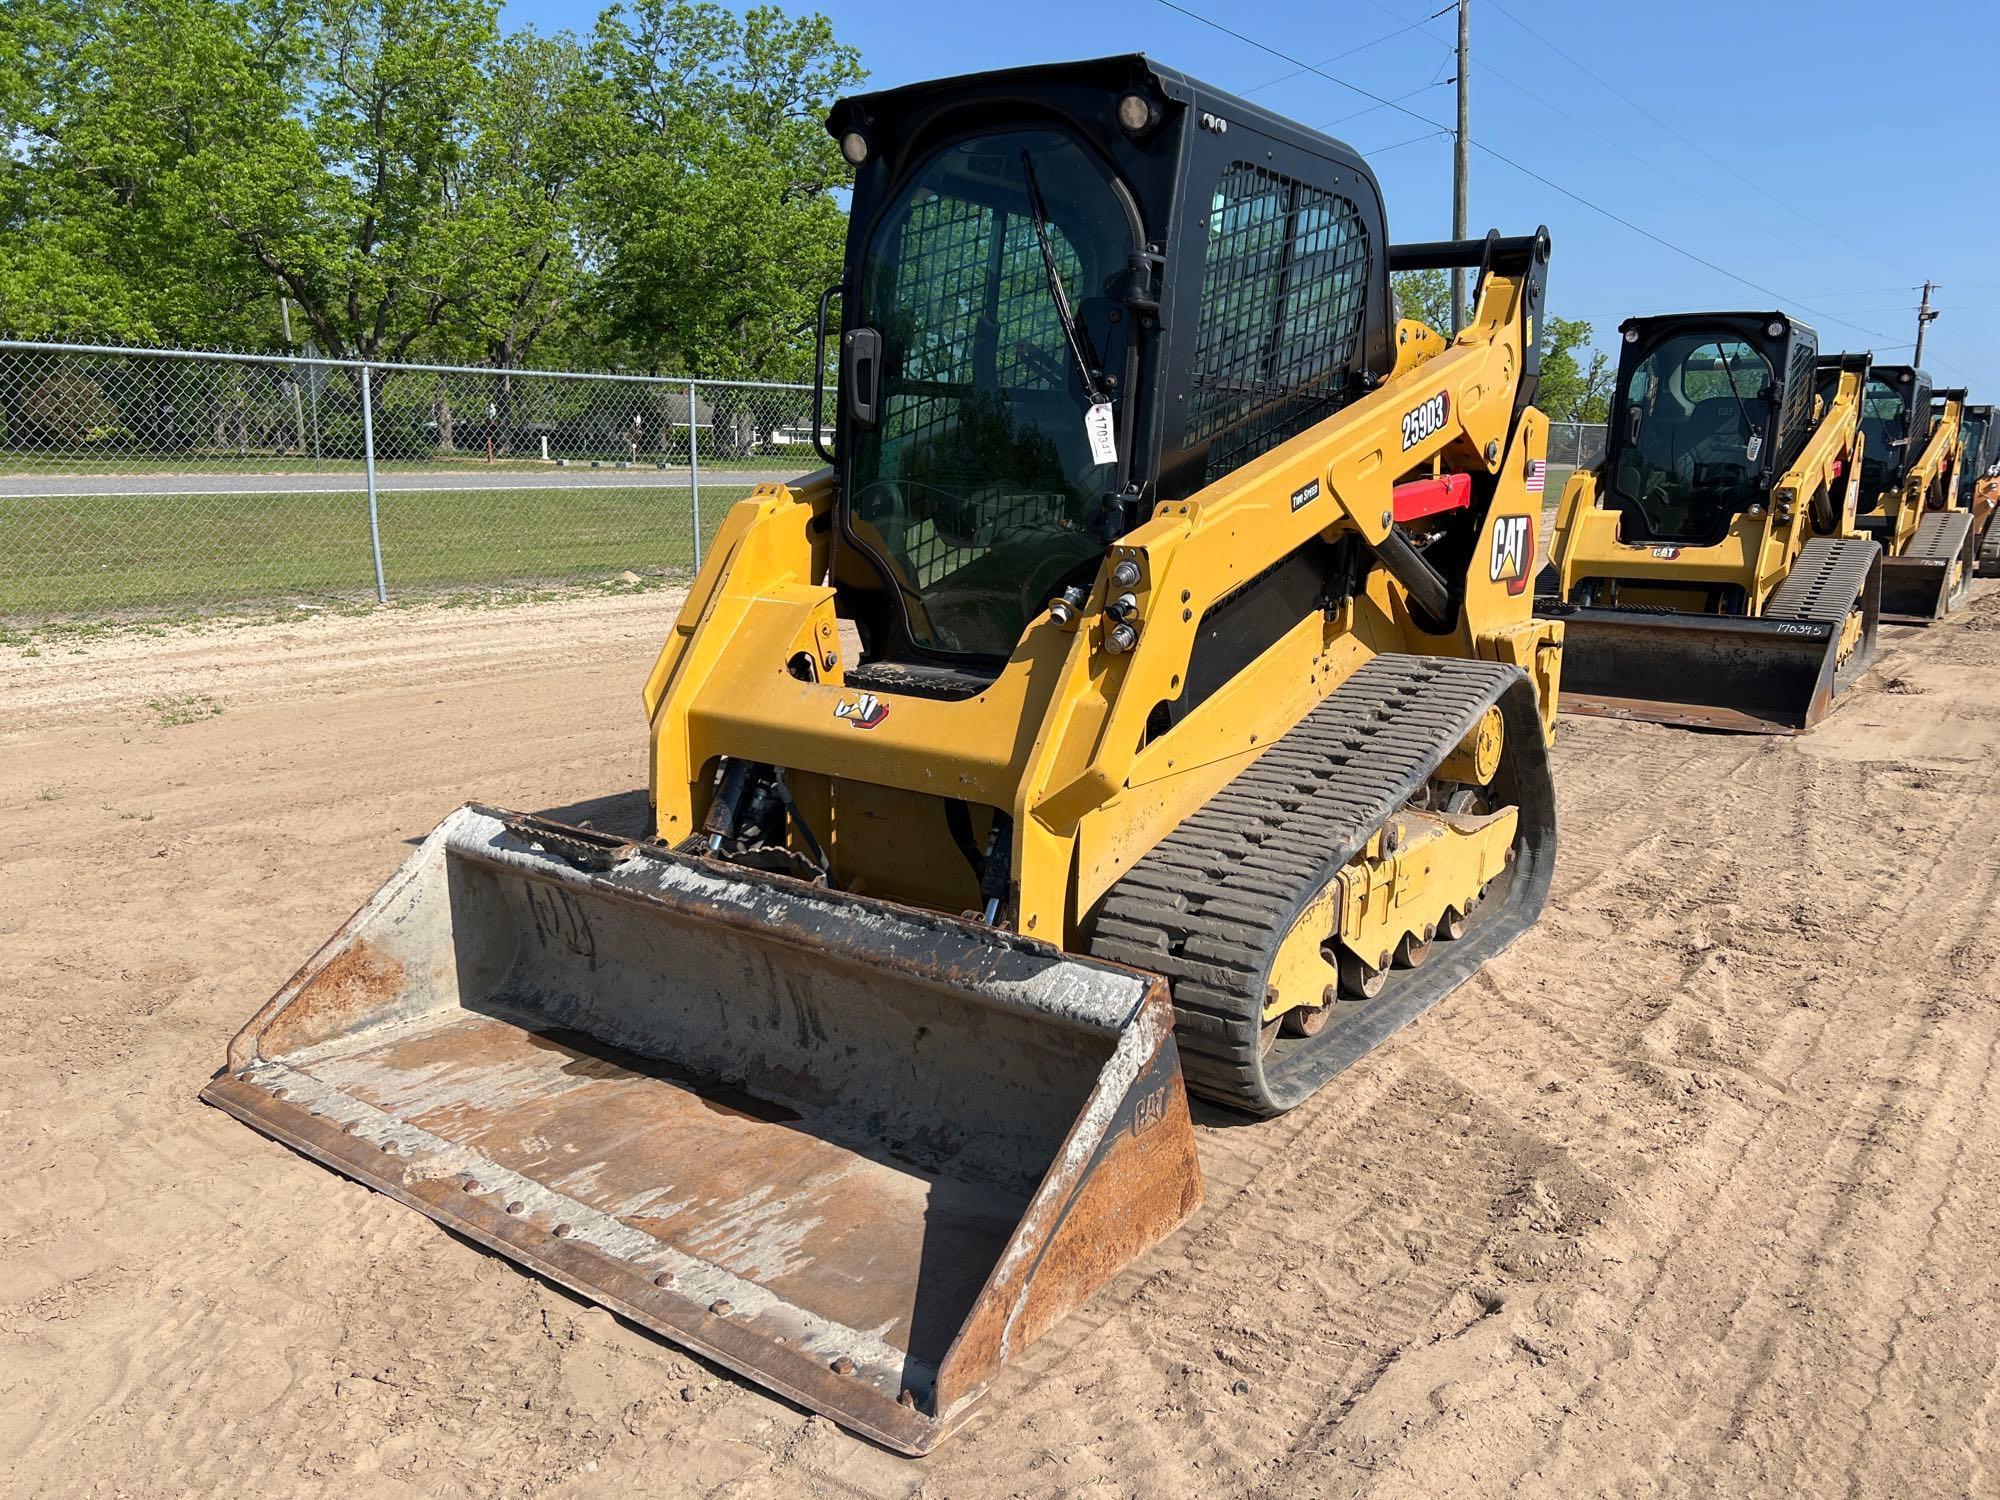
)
(112, 557)
(183, 708)
(18, 465)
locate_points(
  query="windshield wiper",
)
(1729, 371)
(1075, 336)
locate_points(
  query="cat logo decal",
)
(863, 712)
(1513, 551)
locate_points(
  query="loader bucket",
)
(1932, 579)
(1754, 676)
(1923, 590)
(857, 1153)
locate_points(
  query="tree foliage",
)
(415, 184)
(1576, 378)
(1425, 296)
(711, 203)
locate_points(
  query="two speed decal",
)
(1426, 420)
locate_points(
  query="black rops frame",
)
(1221, 131)
(1915, 385)
(1978, 460)
(1171, 170)
(1797, 378)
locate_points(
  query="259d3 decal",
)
(1425, 421)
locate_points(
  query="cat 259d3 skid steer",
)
(1709, 571)
(1145, 697)
(1910, 499)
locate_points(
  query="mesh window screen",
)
(940, 287)
(953, 313)
(1796, 424)
(1030, 353)
(936, 303)
(1284, 290)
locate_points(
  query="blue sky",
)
(1864, 135)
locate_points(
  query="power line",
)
(1685, 140)
(1428, 135)
(1866, 291)
(1538, 97)
(1621, 147)
(1524, 170)
(1387, 36)
(1420, 89)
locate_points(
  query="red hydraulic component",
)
(1428, 497)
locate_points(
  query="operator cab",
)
(1982, 449)
(1895, 421)
(1072, 292)
(1710, 409)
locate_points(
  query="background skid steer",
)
(1979, 485)
(1910, 500)
(1145, 698)
(1709, 572)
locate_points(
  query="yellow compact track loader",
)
(1709, 572)
(1979, 485)
(1910, 500)
(1146, 697)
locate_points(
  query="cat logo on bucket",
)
(1513, 551)
(863, 712)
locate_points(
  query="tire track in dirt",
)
(1945, 1243)
(1794, 1244)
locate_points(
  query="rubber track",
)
(1941, 535)
(1824, 582)
(1209, 905)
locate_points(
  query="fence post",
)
(368, 457)
(694, 476)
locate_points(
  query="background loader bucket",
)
(1921, 590)
(1931, 579)
(857, 1153)
(1707, 671)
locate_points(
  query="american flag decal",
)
(1538, 475)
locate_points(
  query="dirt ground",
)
(1695, 1192)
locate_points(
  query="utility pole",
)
(1926, 315)
(1461, 167)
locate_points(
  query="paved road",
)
(133, 486)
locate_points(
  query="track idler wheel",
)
(1359, 980)
(1309, 1020)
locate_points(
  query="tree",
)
(96, 238)
(1571, 391)
(213, 157)
(534, 133)
(414, 184)
(711, 209)
(1425, 296)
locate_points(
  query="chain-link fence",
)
(1576, 445)
(141, 482)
